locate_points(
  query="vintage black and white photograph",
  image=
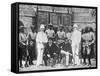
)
(56, 37)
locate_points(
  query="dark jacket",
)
(67, 47)
(51, 49)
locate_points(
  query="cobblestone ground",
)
(57, 66)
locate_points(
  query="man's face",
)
(50, 41)
(60, 29)
(42, 29)
(75, 28)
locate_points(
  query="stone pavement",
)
(57, 66)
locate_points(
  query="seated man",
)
(50, 52)
(60, 38)
(67, 50)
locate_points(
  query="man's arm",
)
(38, 38)
(20, 39)
(93, 36)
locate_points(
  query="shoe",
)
(26, 65)
(21, 66)
(89, 65)
(31, 64)
(41, 65)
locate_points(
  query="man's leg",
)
(67, 56)
(20, 55)
(89, 60)
(38, 56)
(41, 55)
(45, 58)
(67, 59)
(77, 60)
(30, 57)
(73, 52)
(89, 55)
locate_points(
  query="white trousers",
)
(67, 56)
(39, 55)
(75, 51)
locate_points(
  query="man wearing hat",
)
(23, 46)
(41, 39)
(76, 39)
(50, 52)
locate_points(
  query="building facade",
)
(32, 15)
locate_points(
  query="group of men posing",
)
(50, 47)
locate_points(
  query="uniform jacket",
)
(51, 49)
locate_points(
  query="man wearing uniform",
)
(41, 40)
(76, 39)
(50, 52)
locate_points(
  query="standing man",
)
(76, 39)
(88, 40)
(31, 45)
(41, 40)
(50, 32)
(23, 46)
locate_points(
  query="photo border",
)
(57, 5)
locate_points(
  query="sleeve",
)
(53, 32)
(93, 37)
(64, 35)
(46, 31)
(37, 38)
(45, 39)
(57, 34)
(19, 37)
(72, 36)
(79, 37)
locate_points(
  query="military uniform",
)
(76, 39)
(50, 52)
(41, 39)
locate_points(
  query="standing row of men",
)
(52, 45)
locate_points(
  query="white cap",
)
(75, 25)
(42, 26)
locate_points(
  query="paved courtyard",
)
(57, 66)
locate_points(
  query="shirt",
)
(76, 37)
(88, 36)
(41, 38)
(22, 37)
(68, 35)
(33, 35)
(50, 33)
(61, 34)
